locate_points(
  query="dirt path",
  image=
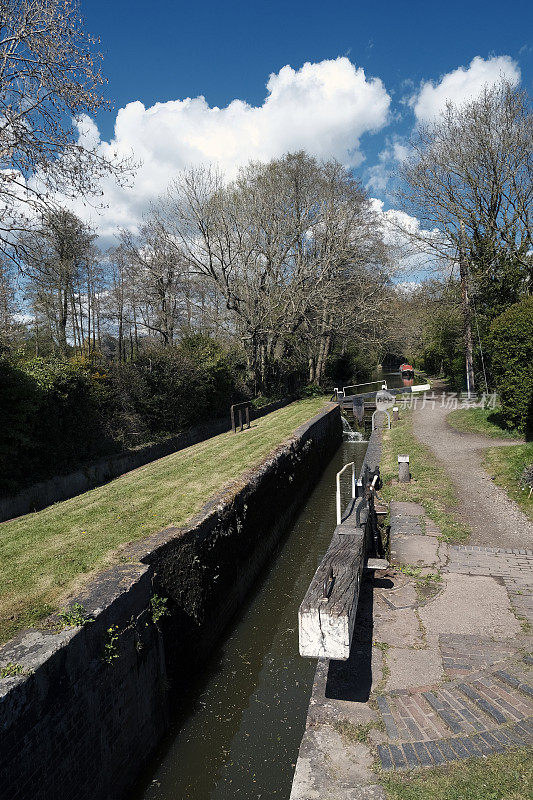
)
(495, 520)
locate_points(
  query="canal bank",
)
(98, 694)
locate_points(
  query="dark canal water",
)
(393, 379)
(240, 733)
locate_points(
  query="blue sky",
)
(162, 51)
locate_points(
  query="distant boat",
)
(407, 371)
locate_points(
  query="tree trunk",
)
(262, 367)
(62, 322)
(321, 364)
(467, 315)
(311, 369)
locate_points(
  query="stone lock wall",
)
(80, 726)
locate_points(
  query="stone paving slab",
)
(471, 604)
(513, 566)
(422, 551)
(400, 508)
(411, 668)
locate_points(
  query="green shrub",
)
(512, 364)
(59, 413)
(183, 385)
(51, 418)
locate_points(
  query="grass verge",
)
(44, 556)
(484, 421)
(430, 485)
(508, 776)
(505, 465)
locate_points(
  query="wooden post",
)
(240, 419)
(395, 414)
(247, 416)
(233, 429)
(404, 476)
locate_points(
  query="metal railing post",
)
(239, 408)
(338, 489)
(358, 385)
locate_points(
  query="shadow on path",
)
(352, 679)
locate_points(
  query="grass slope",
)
(430, 485)
(44, 555)
(505, 465)
(498, 777)
(484, 421)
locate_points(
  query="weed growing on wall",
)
(159, 607)
(74, 616)
(11, 670)
(110, 644)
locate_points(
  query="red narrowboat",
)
(407, 371)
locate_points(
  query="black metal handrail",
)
(240, 407)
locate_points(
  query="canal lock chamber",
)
(237, 729)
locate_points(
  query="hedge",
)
(57, 413)
(512, 364)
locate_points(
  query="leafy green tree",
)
(512, 363)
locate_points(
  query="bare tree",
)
(469, 181)
(8, 305)
(49, 78)
(58, 261)
(158, 276)
(290, 247)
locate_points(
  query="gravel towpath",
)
(494, 519)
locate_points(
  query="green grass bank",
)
(483, 421)
(505, 465)
(508, 776)
(46, 556)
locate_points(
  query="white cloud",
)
(462, 85)
(323, 108)
(378, 176)
(410, 244)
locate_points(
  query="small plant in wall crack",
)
(159, 607)
(110, 644)
(74, 616)
(11, 670)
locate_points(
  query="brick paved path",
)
(485, 704)
(488, 713)
(440, 659)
